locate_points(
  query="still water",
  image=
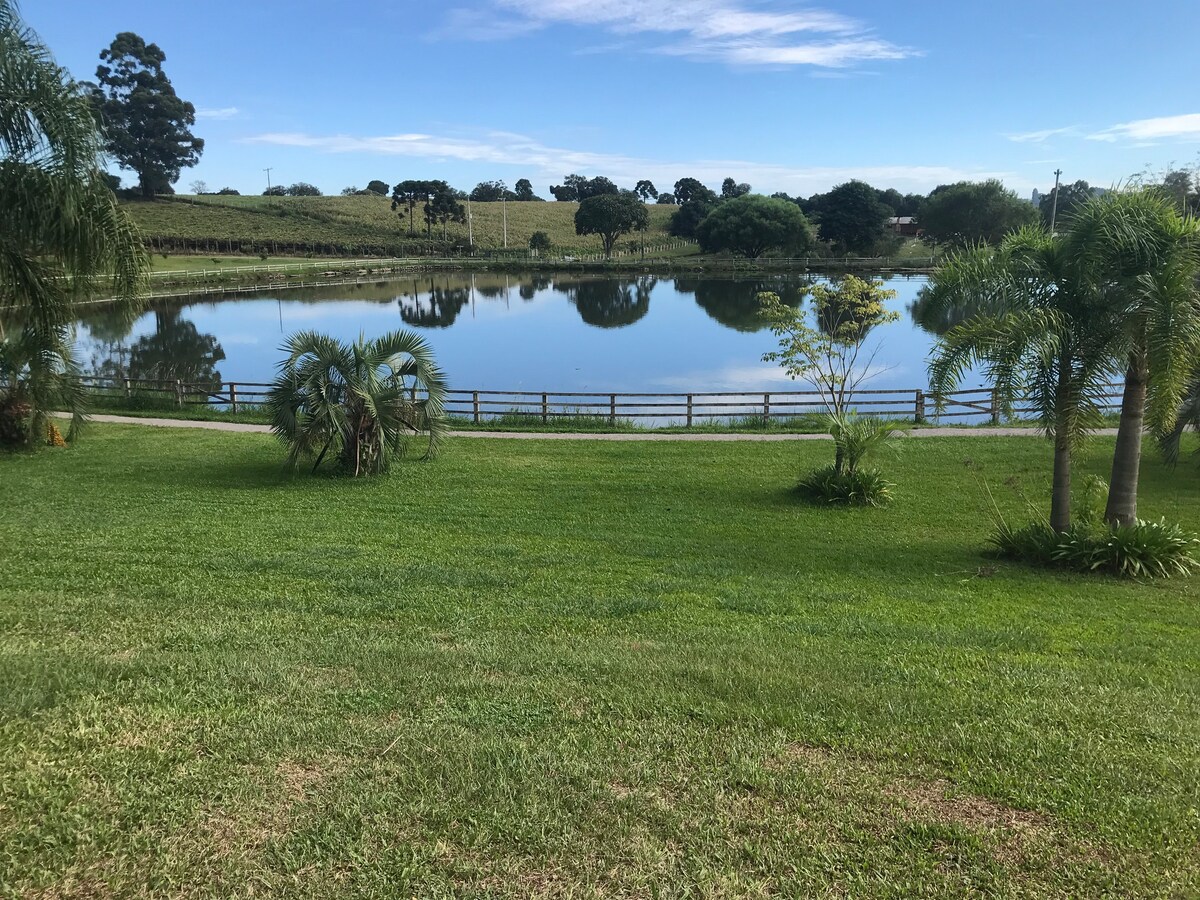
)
(491, 331)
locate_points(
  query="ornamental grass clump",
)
(1138, 550)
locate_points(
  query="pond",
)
(490, 331)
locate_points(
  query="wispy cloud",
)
(552, 163)
(730, 31)
(225, 112)
(1145, 130)
(1039, 137)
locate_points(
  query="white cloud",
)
(1038, 137)
(226, 112)
(552, 163)
(1144, 130)
(724, 30)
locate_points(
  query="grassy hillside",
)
(348, 225)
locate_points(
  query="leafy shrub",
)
(14, 422)
(862, 487)
(1035, 543)
(1141, 550)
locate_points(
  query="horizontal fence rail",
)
(543, 407)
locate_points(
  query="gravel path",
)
(948, 431)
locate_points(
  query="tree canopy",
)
(524, 191)
(752, 224)
(646, 190)
(147, 126)
(730, 189)
(852, 217)
(580, 188)
(965, 213)
(1069, 196)
(610, 216)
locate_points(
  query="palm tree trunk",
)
(1060, 492)
(1060, 497)
(1127, 458)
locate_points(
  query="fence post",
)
(612, 409)
(766, 409)
(179, 393)
(919, 412)
(233, 397)
(689, 410)
(995, 408)
(475, 405)
(545, 410)
(128, 389)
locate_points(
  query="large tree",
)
(852, 217)
(407, 194)
(63, 237)
(580, 188)
(752, 224)
(524, 191)
(147, 126)
(731, 189)
(1069, 197)
(646, 190)
(610, 216)
(968, 212)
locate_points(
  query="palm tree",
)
(62, 234)
(1170, 442)
(359, 400)
(1145, 257)
(1044, 336)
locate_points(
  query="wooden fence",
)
(543, 407)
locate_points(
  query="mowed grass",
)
(574, 669)
(347, 222)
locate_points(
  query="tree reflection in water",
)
(176, 350)
(735, 303)
(609, 302)
(435, 307)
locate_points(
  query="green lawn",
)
(572, 669)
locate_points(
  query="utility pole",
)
(504, 216)
(1054, 207)
(268, 171)
(470, 228)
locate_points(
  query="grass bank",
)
(537, 669)
(353, 225)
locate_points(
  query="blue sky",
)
(785, 95)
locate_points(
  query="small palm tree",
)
(360, 401)
(62, 234)
(1043, 334)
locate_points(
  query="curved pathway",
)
(948, 431)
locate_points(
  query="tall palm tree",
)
(361, 401)
(1145, 257)
(1044, 336)
(62, 234)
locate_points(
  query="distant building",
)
(903, 225)
(1036, 199)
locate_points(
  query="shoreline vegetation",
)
(197, 275)
(218, 241)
